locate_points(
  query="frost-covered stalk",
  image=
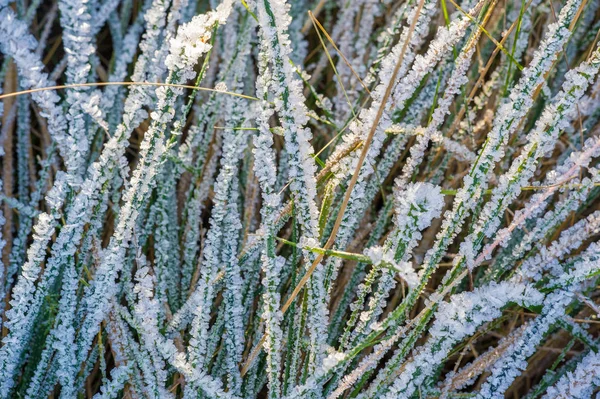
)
(111, 95)
(189, 45)
(562, 175)
(404, 247)
(199, 141)
(12, 350)
(565, 287)
(76, 21)
(513, 361)
(580, 383)
(292, 113)
(99, 174)
(570, 239)
(464, 377)
(415, 208)
(266, 172)
(505, 123)
(457, 79)
(353, 46)
(540, 142)
(119, 377)
(486, 218)
(19, 249)
(506, 368)
(22, 315)
(406, 87)
(223, 235)
(234, 329)
(17, 43)
(196, 202)
(383, 168)
(456, 319)
(402, 94)
(167, 254)
(147, 312)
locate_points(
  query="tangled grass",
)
(313, 199)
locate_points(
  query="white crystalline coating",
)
(92, 108)
(221, 86)
(332, 360)
(408, 82)
(376, 254)
(540, 141)
(585, 267)
(457, 149)
(407, 272)
(382, 257)
(457, 80)
(555, 179)
(289, 100)
(271, 32)
(20, 45)
(278, 79)
(22, 314)
(415, 209)
(146, 311)
(193, 40)
(569, 240)
(152, 149)
(308, 242)
(353, 45)
(119, 377)
(234, 282)
(423, 199)
(455, 320)
(514, 359)
(56, 195)
(23, 296)
(360, 127)
(579, 383)
(79, 44)
(131, 40)
(445, 38)
(468, 374)
(221, 242)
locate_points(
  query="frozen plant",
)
(299, 199)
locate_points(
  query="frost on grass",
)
(379, 199)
